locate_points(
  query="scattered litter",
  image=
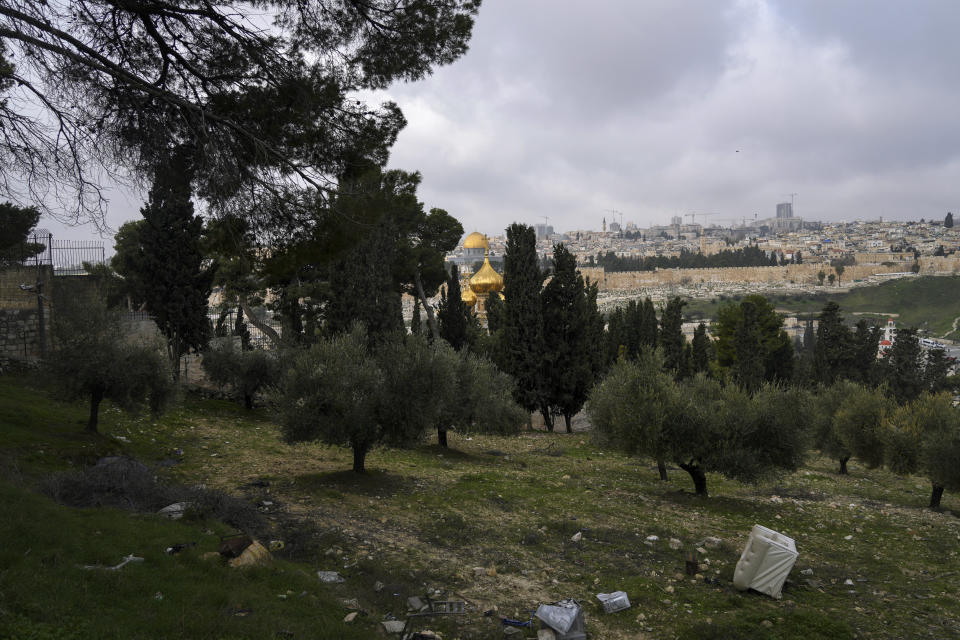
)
(848, 582)
(330, 577)
(350, 617)
(174, 511)
(848, 537)
(652, 538)
(158, 595)
(378, 586)
(766, 562)
(577, 537)
(242, 613)
(177, 548)
(807, 572)
(613, 602)
(276, 545)
(565, 618)
(122, 439)
(675, 544)
(546, 634)
(414, 603)
(127, 560)
(255, 555)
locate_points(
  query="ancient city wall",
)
(795, 273)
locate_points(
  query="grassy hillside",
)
(931, 303)
(45, 591)
(491, 519)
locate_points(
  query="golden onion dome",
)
(469, 297)
(486, 279)
(476, 240)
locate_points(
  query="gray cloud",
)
(663, 108)
(655, 108)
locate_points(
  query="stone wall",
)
(19, 335)
(793, 273)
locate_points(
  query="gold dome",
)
(486, 279)
(469, 297)
(476, 240)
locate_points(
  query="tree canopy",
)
(270, 98)
(16, 223)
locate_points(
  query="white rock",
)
(577, 536)
(675, 543)
(350, 617)
(652, 538)
(393, 626)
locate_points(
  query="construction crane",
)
(615, 214)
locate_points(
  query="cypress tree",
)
(176, 285)
(671, 335)
(520, 335)
(701, 350)
(832, 351)
(568, 337)
(649, 335)
(452, 314)
(748, 370)
(362, 288)
(948, 220)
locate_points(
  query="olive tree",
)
(346, 392)
(482, 398)
(93, 357)
(698, 423)
(858, 423)
(246, 372)
(924, 437)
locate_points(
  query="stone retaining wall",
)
(793, 273)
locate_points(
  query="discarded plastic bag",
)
(613, 602)
(253, 556)
(564, 617)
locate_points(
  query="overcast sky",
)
(655, 108)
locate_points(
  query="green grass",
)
(425, 518)
(930, 302)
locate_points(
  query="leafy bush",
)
(246, 372)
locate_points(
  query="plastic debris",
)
(330, 577)
(255, 555)
(127, 560)
(564, 617)
(174, 511)
(577, 536)
(177, 548)
(613, 602)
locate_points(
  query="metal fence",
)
(66, 257)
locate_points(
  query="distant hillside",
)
(930, 302)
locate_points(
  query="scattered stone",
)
(577, 536)
(479, 571)
(848, 582)
(546, 634)
(378, 586)
(675, 543)
(511, 631)
(712, 542)
(414, 603)
(393, 626)
(652, 538)
(330, 577)
(350, 617)
(848, 537)
(255, 555)
(807, 572)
